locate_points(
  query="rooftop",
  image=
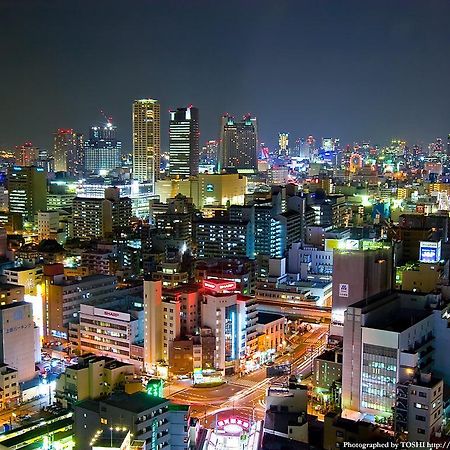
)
(90, 405)
(23, 269)
(135, 403)
(85, 360)
(13, 305)
(426, 380)
(7, 286)
(330, 355)
(85, 280)
(265, 318)
(397, 320)
(110, 438)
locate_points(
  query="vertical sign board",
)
(343, 290)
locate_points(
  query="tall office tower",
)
(283, 144)
(359, 274)
(27, 189)
(45, 161)
(102, 151)
(68, 151)
(146, 140)
(153, 329)
(18, 339)
(238, 142)
(27, 154)
(209, 153)
(184, 147)
(96, 217)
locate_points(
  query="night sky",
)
(351, 69)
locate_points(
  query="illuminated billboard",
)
(219, 285)
(430, 252)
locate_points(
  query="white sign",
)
(343, 290)
(112, 314)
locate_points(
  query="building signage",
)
(111, 314)
(343, 290)
(220, 285)
(430, 252)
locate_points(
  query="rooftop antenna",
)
(108, 119)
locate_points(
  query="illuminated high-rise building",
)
(238, 142)
(27, 154)
(68, 151)
(184, 146)
(209, 153)
(102, 151)
(146, 140)
(27, 191)
(283, 144)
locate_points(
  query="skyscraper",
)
(27, 189)
(209, 153)
(68, 151)
(26, 154)
(102, 151)
(283, 144)
(184, 147)
(146, 140)
(238, 142)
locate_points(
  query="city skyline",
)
(334, 70)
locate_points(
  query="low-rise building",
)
(45, 427)
(29, 278)
(327, 369)
(93, 377)
(62, 297)
(9, 387)
(286, 412)
(10, 293)
(339, 430)
(419, 408)
(99, 262)
(193, 352)
(117, 439)
(421, 277)
(109, 331)
(270, 329)
(152, 419)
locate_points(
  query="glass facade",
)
(379, 378)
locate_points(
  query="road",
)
(240, 396)
(245, 396)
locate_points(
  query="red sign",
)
(219, 285)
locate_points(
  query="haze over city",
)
(362, 71)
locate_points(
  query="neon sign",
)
(219, 286)
(233, 425)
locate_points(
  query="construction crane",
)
(108, 119)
